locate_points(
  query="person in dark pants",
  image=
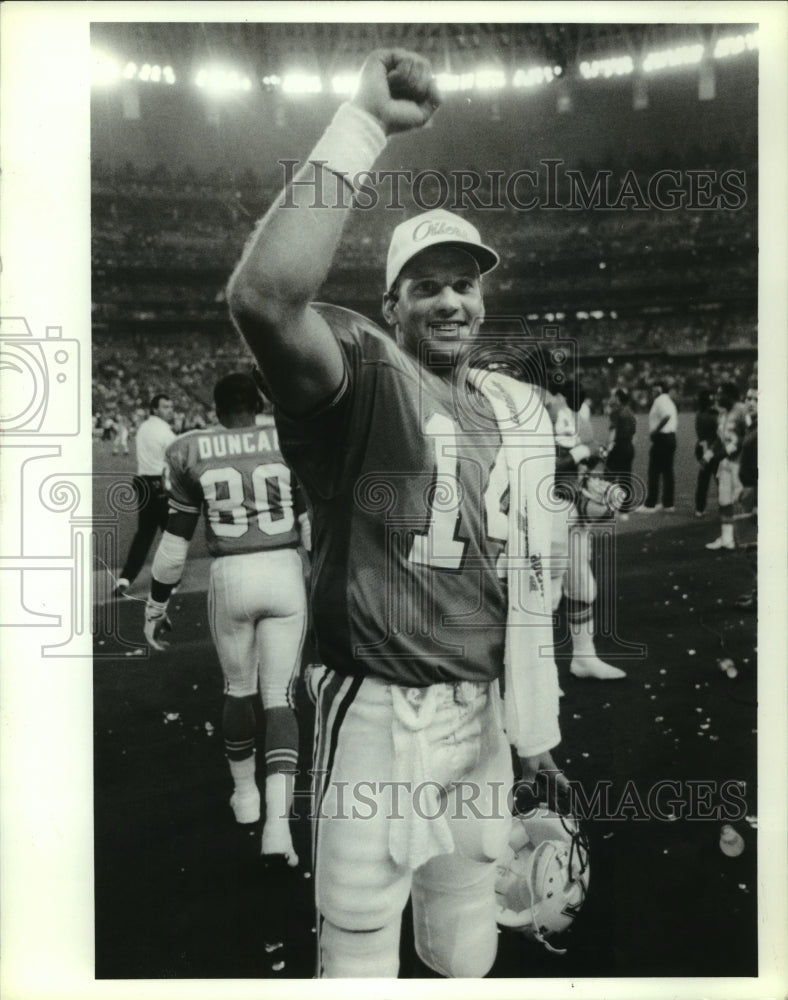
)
(621, 446)
(153, 438)
(706, 434)
(662, 425)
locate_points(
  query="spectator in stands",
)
(621, 447)
(662, 425)
(706, 434)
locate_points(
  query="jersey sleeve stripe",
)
(184, 508)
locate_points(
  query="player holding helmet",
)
(235, 475)
(429, 546)
(586, 498)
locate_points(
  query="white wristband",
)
(170, 558)
(350, 144)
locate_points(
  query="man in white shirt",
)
(152, 440)
(663, 421)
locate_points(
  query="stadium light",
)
(148, 73)
(682, 55)
(450, 82)
(489, 79)
(301, 83)
(734, 45)
(612, 66)
(345, 84)
(535, 76)
(104, 68)
(220, 81)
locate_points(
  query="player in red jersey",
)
(254, 522)
(429, 582)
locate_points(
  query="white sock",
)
(243, 775)
(727, 534)
(583, 639)
(276, 830)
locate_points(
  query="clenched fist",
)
(396, 87)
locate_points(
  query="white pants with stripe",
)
(361, 890)
(257, 615)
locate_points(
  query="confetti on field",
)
(647, 686)
(278, 966)
(663, 671)
(652, 697)
(670, 635)
(753, 821)
(713, 738)
(272, 946)
(743, 887)
(698, 709)
(675, 586)
(194, 687)
(209, 728)
(690, 652)
(659, 718)
(705, 726)
(172, 717)
(584, 754)
(576, 716)
(307, 874)
(607, 836)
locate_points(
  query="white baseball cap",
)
(430, 229)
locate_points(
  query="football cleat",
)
(542, 876)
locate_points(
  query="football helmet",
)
(599, 500)
(542, 876)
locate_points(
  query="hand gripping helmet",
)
(542, 875)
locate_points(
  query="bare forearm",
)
(289, 254)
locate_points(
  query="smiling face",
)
(436, 301)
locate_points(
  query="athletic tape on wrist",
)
(170, 558)
(350, 144)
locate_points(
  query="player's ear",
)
(389, 307)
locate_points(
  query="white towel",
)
(417, 836)
(531, 679)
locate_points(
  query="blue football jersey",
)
(408, 493)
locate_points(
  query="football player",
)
(235, 476)
(429, 543)
(724, 454)
(571, 571)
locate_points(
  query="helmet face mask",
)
(543, 875)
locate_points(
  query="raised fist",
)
(396, 87)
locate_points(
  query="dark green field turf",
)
(178, 893)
